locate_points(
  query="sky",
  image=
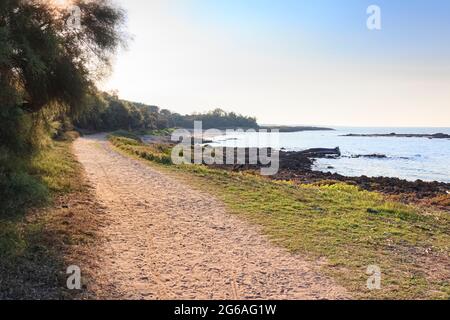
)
(311, 62)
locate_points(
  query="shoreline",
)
(417, 192)
(404, 190)
(299, 168)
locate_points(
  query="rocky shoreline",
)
(406, 190)
(298, 167)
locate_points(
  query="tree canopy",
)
(45, 60)
(48, 68)
(106, 112)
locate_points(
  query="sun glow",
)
(60, 3)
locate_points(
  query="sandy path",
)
(167, 241)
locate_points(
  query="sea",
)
(406, 158)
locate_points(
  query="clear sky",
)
(291, 62)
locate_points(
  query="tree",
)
(117, 115)
(136, 119)
(93, 115)
(46, 60)
(47, 68)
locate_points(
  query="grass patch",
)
(120, 134)
(160, 153)
(157, 133)
(57, 169)
(350, 227)
(37, 247)
(19, 192)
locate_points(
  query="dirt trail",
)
(167, 241)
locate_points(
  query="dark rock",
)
(321, 152)
(373, 156)
(440, 136)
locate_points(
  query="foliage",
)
(53, 171)
(217, 119)
(125, 134)
(160, 153)
(44, 60)
(47, 68)
(20, 191)
(34, 250)
(158, 132)
(106, 112)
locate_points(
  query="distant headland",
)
(294, 128)
(396, 135)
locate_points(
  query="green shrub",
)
(11, 242)
(21, 137)
(20, 191)
(69, 136)
(125, 134)
(159, 153)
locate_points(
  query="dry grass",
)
(38, 247)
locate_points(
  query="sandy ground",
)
(164, 240)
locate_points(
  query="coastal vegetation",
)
(349, 227)
(36, 249)
(295, 128)
(106, 112)
(47, 69)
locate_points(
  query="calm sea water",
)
(408, 158)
